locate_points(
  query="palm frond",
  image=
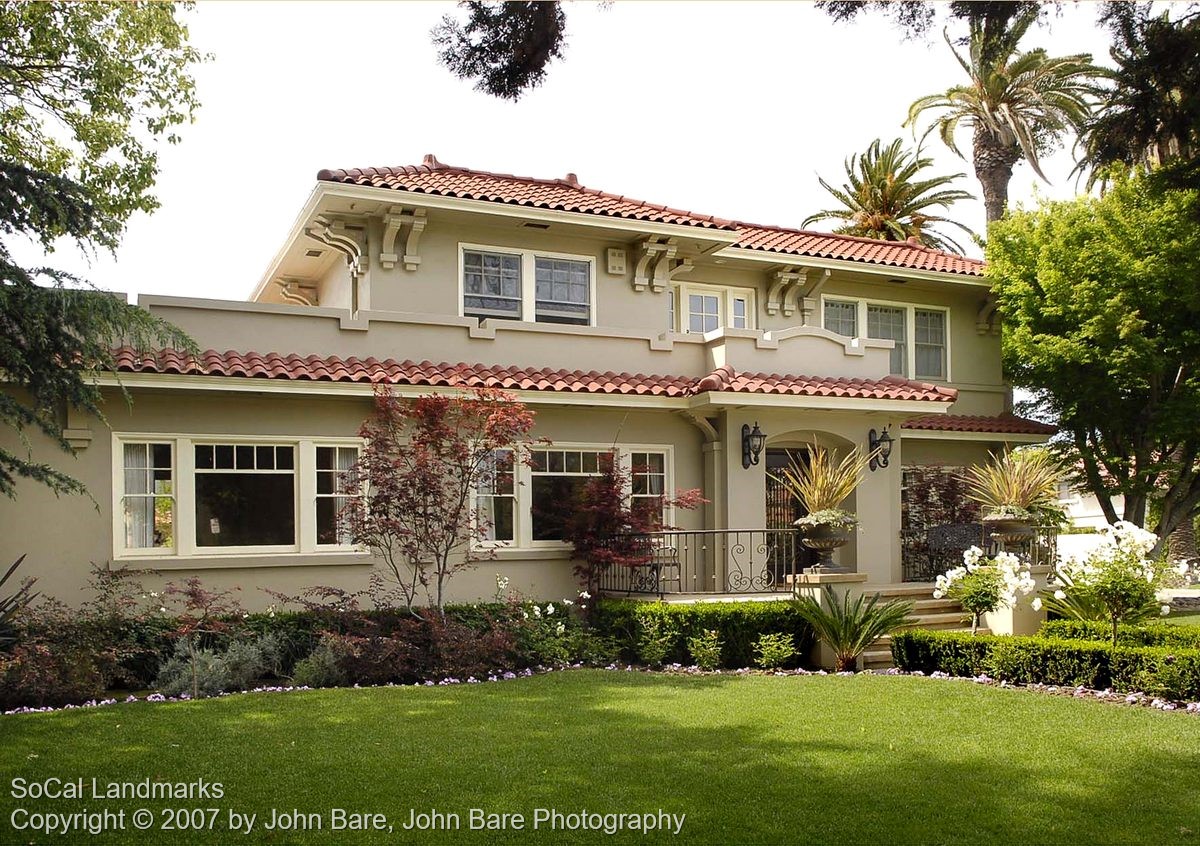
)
(850, 627)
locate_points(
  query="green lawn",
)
(1191, 618)
(747, 759)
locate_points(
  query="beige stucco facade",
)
(368, 296)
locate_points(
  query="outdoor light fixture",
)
(881, 442)
(753, 441)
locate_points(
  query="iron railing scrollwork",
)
(926, 555)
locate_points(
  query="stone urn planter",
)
(823, 539)
(1009, 530)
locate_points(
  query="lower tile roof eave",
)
(978, 437)
(316, 387)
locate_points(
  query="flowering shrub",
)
(1117, 582)
(983, 585)
(705, 649)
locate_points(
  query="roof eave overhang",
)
(317, 388)
(890, 270)
(987, 437)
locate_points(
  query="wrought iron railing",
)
(714, 561)
(927, 554)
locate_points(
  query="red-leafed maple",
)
(414, 484)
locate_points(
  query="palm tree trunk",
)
(994, 162)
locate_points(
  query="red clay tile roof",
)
(889, 387)
(1006, 424)
(434, 177)
(801, 242)
(333, 369)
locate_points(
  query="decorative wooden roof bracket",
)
(411, 224)
(350, 241)
(986, 321)
(653, 268)
(298, 292)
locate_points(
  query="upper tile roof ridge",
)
(859, 239)
(430, 164)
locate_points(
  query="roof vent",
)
(531, 225)
(313, 253)
(572, 179)
(431, 160)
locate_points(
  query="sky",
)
(723, 108)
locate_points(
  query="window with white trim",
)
(334, 464)
(496, 498)
(921, 333)
(842, 317)
(703, 308)
(888, 323)
(517, 284)
(184, 496)
(648, 473)
(930, 344)
(245, 495)
(557, 478)
(148, 500)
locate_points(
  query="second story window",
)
(887, 323)
(704, 308)
(563, 290)
(517, 284)
(492, 284)
(930, 338)
(842, 317)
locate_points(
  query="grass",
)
(748, 759)
(1191, 618)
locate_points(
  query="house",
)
(666, 332)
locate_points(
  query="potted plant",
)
(1017, 490)
(821, 485)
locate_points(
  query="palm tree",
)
(1018, 105)
(882, 198)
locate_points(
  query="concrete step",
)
(915, 590)
(922, 606)
(940, 620)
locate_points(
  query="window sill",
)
(246, 560)
(525, 553)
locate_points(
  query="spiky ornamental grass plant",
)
(821, 485)
(850, 626)
(1020, 483)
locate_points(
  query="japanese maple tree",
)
(414, 486)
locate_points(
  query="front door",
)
(782, 511)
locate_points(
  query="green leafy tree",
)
(884, 198)
(1018, 105)
(1149, 114)
(86, 91)
(1102, 324)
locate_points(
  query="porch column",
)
(878, 502)
(745, 488)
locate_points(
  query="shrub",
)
(321, 668)
(774, 650)
(739, 625)
(34, 674)
(705, 649)
(197, 672)
(982, 585)
(1146, 634)
(656, 640)
(1157, 670)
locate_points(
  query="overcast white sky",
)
(720, 107)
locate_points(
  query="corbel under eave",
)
(653, 268)
(985, 321)
(411, 224)
(350, 242)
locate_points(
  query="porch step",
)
(941, 621)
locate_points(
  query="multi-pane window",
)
(491, 284)
(245, 495)
(929, 335)
(496, 498)
(842, 317)
(557, 477)
(333, 468)
(649, 482)
(704, 312)
(671, 324)
(148, 499)
(562, 292)
(887, 323)
(740, 318)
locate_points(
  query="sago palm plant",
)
(883, 198)
(1019, 483)
(848, 626)
(821, 484)
(1018, 105)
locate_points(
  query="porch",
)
(727, 564)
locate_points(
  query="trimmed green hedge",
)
(1146, 634)
(1170, 672)
(739, 625)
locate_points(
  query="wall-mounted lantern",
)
(753, 441)
(880, 448)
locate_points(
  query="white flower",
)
(163, 610)
(1182, 568)
(1060, 595)
(585, 595)
(549, 609)
(1037, 603)
(567, 602)
(537, 612)
(1166, 609)
(560, 629)
(937, 594)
